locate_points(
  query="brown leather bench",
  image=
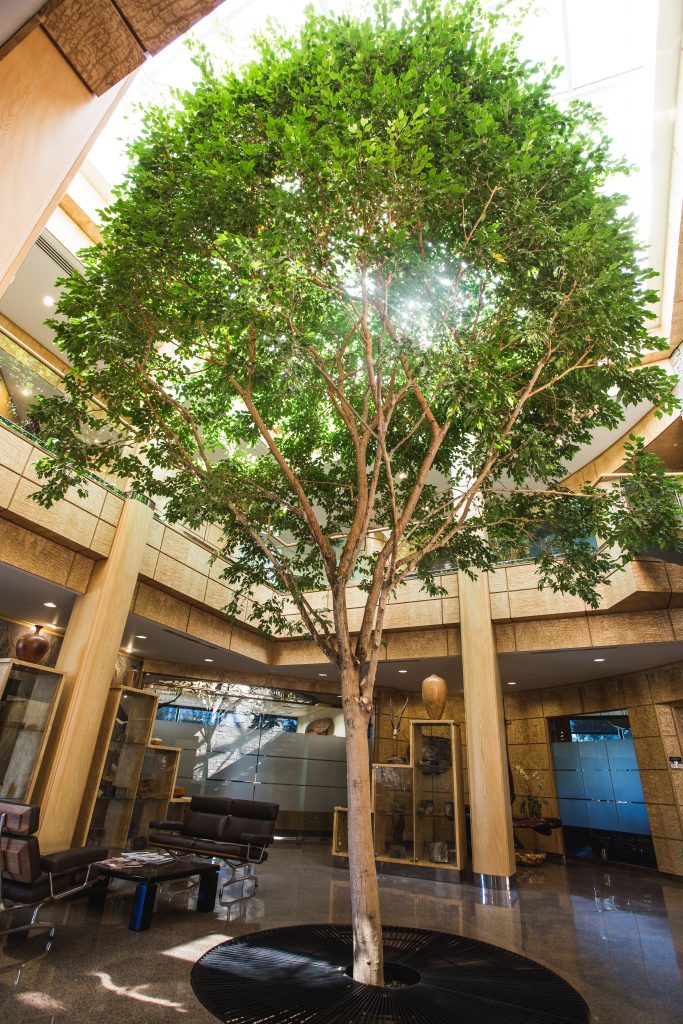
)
(28, 879)
(237, 832)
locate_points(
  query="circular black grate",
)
(299, 975)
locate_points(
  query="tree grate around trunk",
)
(301, 975)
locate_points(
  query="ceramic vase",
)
(32, 646)
(434, 696)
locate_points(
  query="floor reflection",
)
(616, 935)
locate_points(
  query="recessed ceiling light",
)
(598, 659)
(512, 682)
(49, 604)
(402, 671)
(139, 636)
(323, 675)
(48, 300)
(208, 659)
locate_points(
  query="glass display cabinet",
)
(418, 809)
(116, 767)
(28, 700)
(155, 789)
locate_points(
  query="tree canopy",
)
(372, 283)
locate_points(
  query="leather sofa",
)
(237, 832)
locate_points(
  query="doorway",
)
(601, 799)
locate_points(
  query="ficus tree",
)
(358, 303)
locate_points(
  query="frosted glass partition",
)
(256, 749)
(601, 799)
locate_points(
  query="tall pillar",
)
(48, 122)
(490, 810)
(88, 658)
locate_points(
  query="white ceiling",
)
(14, 14)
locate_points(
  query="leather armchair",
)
(28, 879)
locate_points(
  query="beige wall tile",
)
(527, 730)
(212, 628)
(657, 786)
(636, 690)
(665, 821)
(650, 752)
(562, 700)
(643, 721)
(666, 683)
(111, 511)
(159, 606)
(552, 634)
(450, 610)
(500, 606)
(191, 554)
(505, 638)
(630, 627)
(497, 581)
(65, 521)
(79, 574)
(34, 553)
(217, 595)
(15, 451)
(149, 562)
(179, 577)
(413, 615)
(603, 695)
(103, 538)
(8, 485)
(418, 644)
(531, 604)
(668, 852)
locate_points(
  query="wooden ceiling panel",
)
(157, 23)
(94, 38)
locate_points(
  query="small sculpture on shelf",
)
(434, 695)
(32, 646)
(396, 758)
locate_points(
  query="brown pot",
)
(434, 696)
(32, 646)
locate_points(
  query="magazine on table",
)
(136, 859)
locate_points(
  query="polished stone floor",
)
(616, 935)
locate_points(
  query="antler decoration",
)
(395, 726)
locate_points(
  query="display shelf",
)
(155, 788)
(418, 809)
(117, 764)
(28, 700)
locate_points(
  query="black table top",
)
(178, 868)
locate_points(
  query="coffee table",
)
(148, 876)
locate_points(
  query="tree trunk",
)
(365, 912)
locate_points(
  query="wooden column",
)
(48, 122)
(490, 811)
(88, 657)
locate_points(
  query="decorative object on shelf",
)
(449, 810)
(434, 695)
(303, 973)
(32, 646)
(395, 722)
(155, 741)
(529, 858)
(438, 852)
(179, 791)
(425, 807)
(531, 802)
(320, 727)
(436, 755)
